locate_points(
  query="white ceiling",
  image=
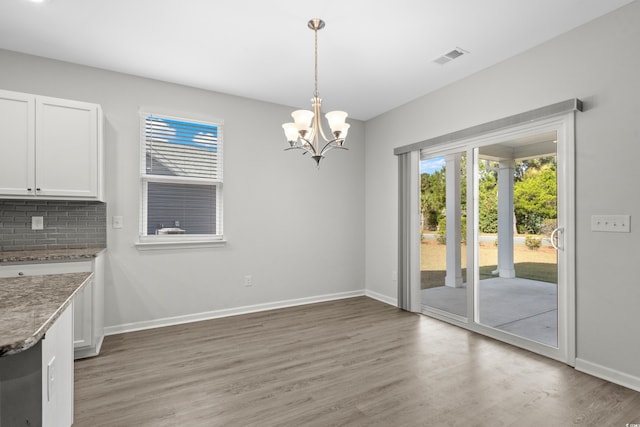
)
(374, 55)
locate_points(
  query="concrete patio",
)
(523, 307)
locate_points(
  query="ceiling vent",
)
(450, 56)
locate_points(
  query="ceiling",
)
(373, 55)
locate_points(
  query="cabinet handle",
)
(37, 189)
(29, 189)
(20, 273)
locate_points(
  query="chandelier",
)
(305, 132)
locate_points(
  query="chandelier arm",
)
(308, 143)
(330, 146)
(311, 150)
(327, 140)
(317, 124)
(326, 147)
(304, 149)
(310, 147)
(317, 130)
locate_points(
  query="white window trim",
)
(168, 242)
(161, 244)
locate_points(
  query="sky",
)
(195, 134)
(431, 165)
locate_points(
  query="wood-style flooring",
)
(352, 362)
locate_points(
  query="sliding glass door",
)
(443, 219)
(495, 250)
(517, 212)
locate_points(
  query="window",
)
(181, 180)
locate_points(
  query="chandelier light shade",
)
(306, 131)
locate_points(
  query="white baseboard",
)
(608, 374)
(382, 298)
(89, 351)
(208, 315)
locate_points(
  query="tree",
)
(433, 204)
(535, 197)
(432, 198)
(537, 163)
(488, 200)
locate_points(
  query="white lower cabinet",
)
(88, 304)
(57, 373)
(83, 317)
(36, 385)
(88, 320)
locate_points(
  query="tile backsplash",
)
(67, 224)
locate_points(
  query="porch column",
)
(505, 219)
(453, 277)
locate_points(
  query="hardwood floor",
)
(355, 362)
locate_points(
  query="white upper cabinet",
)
(17, 143)
(67, 163)
(50, 148)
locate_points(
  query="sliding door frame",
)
(564, 125)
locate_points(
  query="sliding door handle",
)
(555, 235)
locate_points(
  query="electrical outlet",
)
(611, 223)
(37, 223)
(394, 276)
(248, 280)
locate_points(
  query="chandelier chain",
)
(315, 31)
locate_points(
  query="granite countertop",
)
(29, 305)
(49, 255)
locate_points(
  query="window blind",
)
(183, 208)
(181, 148)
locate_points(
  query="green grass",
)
(540, 264)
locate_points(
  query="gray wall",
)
(597, 63)
(296, 229)
(67, 225)
(301, 232)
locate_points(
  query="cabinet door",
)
(98, 301)
(17, 141)
(57, 372)
(83, 317)
(66, 148)
(89, 314)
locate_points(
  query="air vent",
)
(450, 56)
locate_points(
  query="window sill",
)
(178, 244)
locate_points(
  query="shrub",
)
(529, 223)
(442, 231)
(488, 212)
(532, 242)
(548, 225)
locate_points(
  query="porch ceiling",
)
(539, 145)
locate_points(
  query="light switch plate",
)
(37, 223)
(118, 222)
(611, 223)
